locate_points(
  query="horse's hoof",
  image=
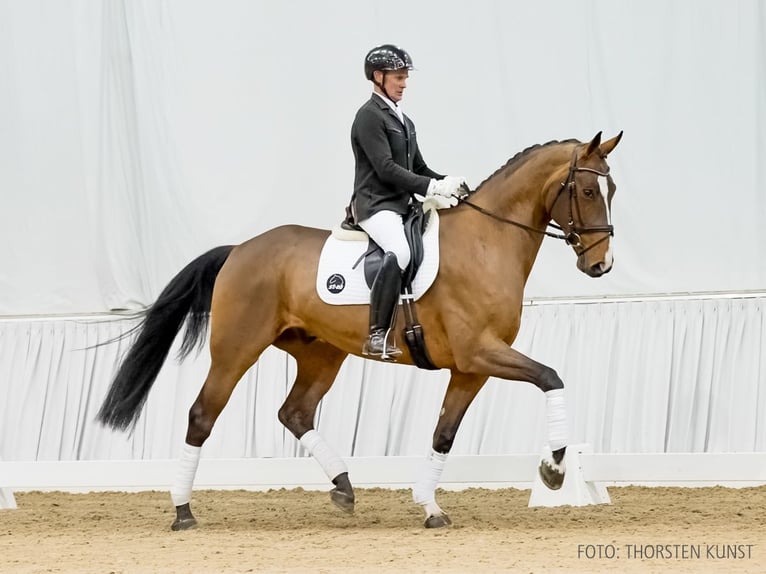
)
(184, 518)
(551, 477)
(438, 521)
(342, 500)
(184, 524)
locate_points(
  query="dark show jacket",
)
(389, 166)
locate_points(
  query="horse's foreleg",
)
(504, 362)
(318, 365)
(461, 391)
(552, 470)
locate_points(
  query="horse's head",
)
(582, 205)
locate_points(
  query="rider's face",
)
(394, 83)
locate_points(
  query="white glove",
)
(433, 201)
(448, 186)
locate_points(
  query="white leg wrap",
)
(424, 490)
(330, 462)
(557, 419)
(187, 468)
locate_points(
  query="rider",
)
(390, 172)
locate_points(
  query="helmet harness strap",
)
(382, 84)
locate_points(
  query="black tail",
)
(186, 298)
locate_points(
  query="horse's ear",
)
(609, 145)
(593, 145)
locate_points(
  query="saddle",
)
(415, 223)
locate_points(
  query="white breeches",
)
(387, 230)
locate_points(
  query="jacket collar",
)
(383, 105)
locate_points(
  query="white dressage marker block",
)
(7, 500)
(575, 491)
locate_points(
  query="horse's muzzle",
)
(597, 269)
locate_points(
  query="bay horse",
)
(263, 292)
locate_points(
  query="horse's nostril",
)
(599, 269)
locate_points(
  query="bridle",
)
(575, 232)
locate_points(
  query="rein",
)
(573, 237)
(516, 223)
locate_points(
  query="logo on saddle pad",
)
(335, 283)
(340, 278)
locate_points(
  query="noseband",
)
(573, 235)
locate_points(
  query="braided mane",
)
(512, 164)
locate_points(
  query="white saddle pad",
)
(339, 284)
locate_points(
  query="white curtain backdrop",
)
(136, 134)
(641, 376)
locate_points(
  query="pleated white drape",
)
(641, 376)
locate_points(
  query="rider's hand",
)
(449, 186)
(434, 201)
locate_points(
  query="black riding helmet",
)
(386, 58)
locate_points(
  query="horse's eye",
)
(588, 193)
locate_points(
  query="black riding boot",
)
(384, 298)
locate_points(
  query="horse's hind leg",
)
(460, 393)
(215, 393)
(318, 365)
(233, 350)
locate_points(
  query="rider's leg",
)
(385, 228)
(384, 298)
